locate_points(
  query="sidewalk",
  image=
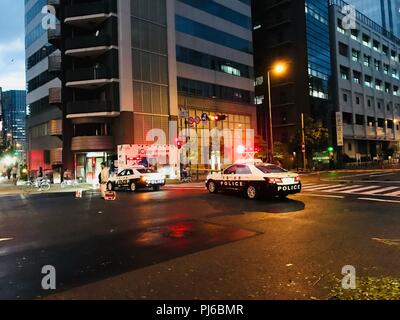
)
(9, 188)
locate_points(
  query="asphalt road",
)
(183, 243)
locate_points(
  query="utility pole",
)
(303, 142)
(271, 132)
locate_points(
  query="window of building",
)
(388, 107)
(360, 119)
(343, 49)
(259, 81)
(368, 81)
(355, 55)
(381, 123)
(379, 105)
(377, 65)
(356, 77)
(385, 68)
(367, 60)
(393, 55)
(376, 45)
(371, 121)
(344, 97)
(347, 118)
(350, 146)
(387, 87)
(344, 73)
(366, 40)
(395, 90)
(385, 50)
(340, 27)
(357, 100)
(395, 74)
(354, 34)
(378, 84)
(369, 102)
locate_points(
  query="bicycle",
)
(40, 184)
(69, 183)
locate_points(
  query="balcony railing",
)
(88, 74)
(91, 106)
(55, 95)
(54, 34)
(55, 127)
(87, 42)
(92, 143)
(91, 8)
(53, 2)
(54, 63)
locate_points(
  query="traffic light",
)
(178, 143)
(330, 149)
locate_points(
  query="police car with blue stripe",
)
(255, 179)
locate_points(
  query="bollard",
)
(79, 194)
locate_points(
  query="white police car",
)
(135, 178)
(255, 178)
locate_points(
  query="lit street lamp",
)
(277, 69)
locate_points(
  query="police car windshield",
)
(270, 168)
(145, 170)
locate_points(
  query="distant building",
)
(14, 117)
(383, 12)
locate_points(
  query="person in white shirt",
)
(103, 179)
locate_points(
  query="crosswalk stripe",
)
(356, 190)
(342, 188)
(381, 190)
(393, 194)
(314, 186)
(324, 187)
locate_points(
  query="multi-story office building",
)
(383, 12)
(367, 64)
(44, 124)
(295, 32)
(1, 118)
(131, 66)
(14, 118)
(320, 80)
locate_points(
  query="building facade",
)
(44, 124)
(383, 12)
(14, 118)
(132, 66)
(367, 64)
(296, 33)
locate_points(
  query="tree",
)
(316, 137)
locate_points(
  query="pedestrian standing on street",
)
(14, 172)
(103, 179)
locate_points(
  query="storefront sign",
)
(339, 129)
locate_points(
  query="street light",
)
(278, 69)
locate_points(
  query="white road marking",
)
(5, 239)
(356, 190)
(323, 196)
(381, 190)
(379, 200)
(382, 174)
(342, 188)
(326, 186)
(393, 194)
(315, 186)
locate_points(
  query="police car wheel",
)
(132, 186)
(252, 192)
(110, 186)
(212, 187)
